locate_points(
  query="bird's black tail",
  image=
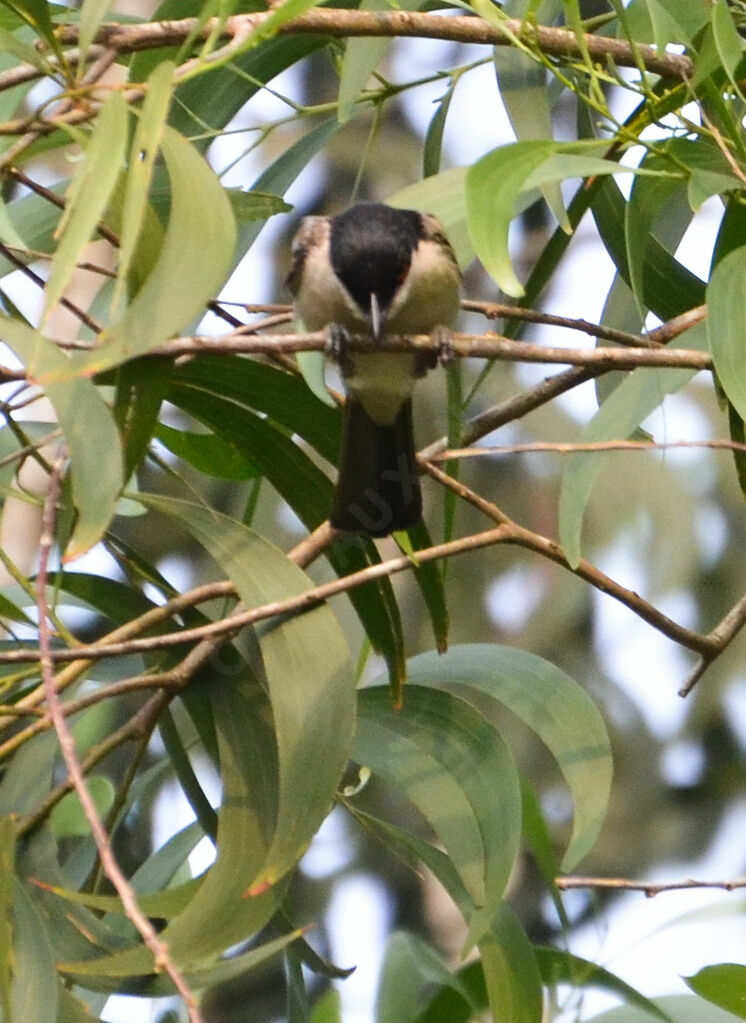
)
(378, 489)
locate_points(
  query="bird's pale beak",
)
(377, 319)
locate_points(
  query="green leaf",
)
(328, 1009)
(411, 968)
(442, 194)
(34, 988)
(626, 407)
(551, 704)
(212, 455)
(669, 287)
(11, 44)
(255, 205)
(145, 146)
(141, 387)
(451, 763)
(558, 966)
(524, 89)
(510, 971)
(308, 676)
(649, 201)
(194, 260)
(68, 819)
(495, 182)
(362, 57)
(433, 145)
(726, 293)
(679, 1008)
(724, 985)
(7, 881)
(92, 13)
(89, 194)
(36, 13)
(237, 966)
(429, 579)
(88, 428)
(728, 42)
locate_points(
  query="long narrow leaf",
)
(89, 194)
(92, 439)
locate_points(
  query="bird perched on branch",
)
(376, 270)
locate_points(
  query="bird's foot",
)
(337, 340)
(443, 340)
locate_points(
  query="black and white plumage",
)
(376, 270)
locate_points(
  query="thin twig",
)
(571, 448)
(522, 537)
(161, 956)
(500, 311)
(241, 617)
(647, 888)
(32, 275)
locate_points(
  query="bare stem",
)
(162, 959)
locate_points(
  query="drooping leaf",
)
(141, 387)
(558, 966)
(308, 676)
(724, 985)
(619, 416)
(551, 704)
(7, 876)
(68, 820)
(92, 13)
(144, 149)
(511, 973)
(362, 57)
(88, 194)
(495, 182)
(36, 13)
(451, 763)
(679, 1008)
(194, 260)
(88, 428)
(433, 145)
(410, 969)
(34, 987)
(725, 292)
(525, 91)
(207, 452)
(670, 288)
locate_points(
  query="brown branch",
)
(522, 537)
(33, 276)
(650, 889)
(240, 617)
(554, 42)
(561, 448)
(114, 873)
(482, 346)
(720, 637)
(500, 311)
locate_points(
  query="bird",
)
(375, 269)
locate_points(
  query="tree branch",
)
(560, 43)
(161, 956)
(649, 889)
(467, 346)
